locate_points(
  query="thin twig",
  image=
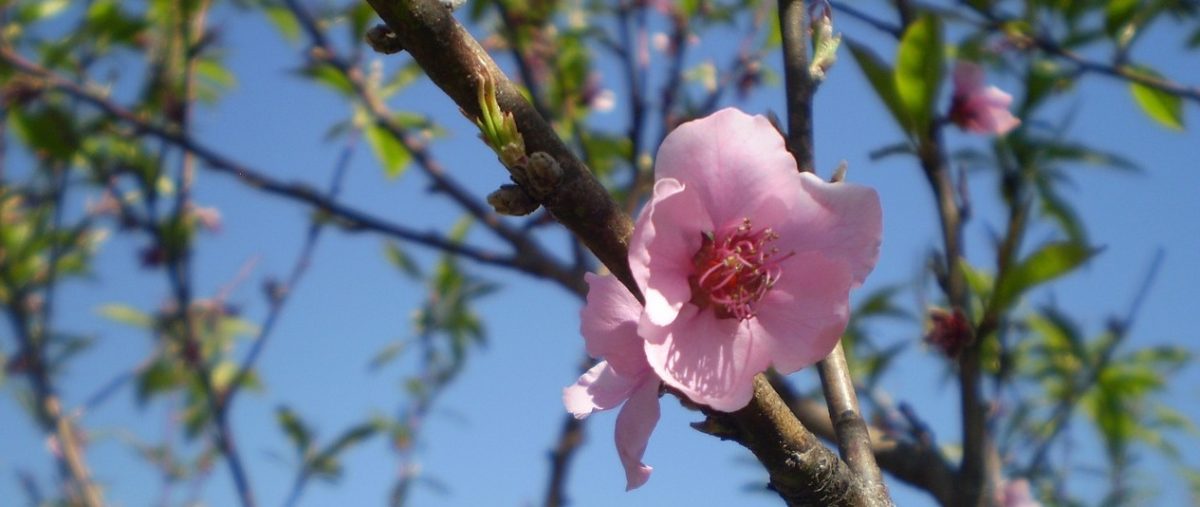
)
(349, 218)
(527, 251)
(853, 439)
(278, 300)
(972, 473)
(178, 265)
(1118, 69)
(919, 463)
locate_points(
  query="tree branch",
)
(972, 477)
(349, 218)
(458, 65)
(919, 464)
(854, 442)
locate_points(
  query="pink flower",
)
(744, 261)
(1015, 493)
(979, 108)
(609, 324)
(208, 218)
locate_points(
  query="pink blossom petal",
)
(665, 237)
(977, 107)
(600, 388)
(804, 315)
(1016, 493)
(968, 77)
(635, 423)
(609, 323)
(732, 160)
(712, 361)
(991, 112)
(840, 220)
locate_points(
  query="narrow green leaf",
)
(329, 76)
(214, 72)
(360, 14)
(351, 437)
(126, 315)
(1162, 107)
(399, 258)
(387, 354)
(879, 74)
(295, 429)
(1049, 262)
(460, 229)
(918, 70)
(774, 31)
(390, 152)
(284, 21)
(978, 280)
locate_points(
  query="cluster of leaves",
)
(445, 328)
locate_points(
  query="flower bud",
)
(511, 200)
(539, 175)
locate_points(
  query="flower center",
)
(734, 270)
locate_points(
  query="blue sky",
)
(489, 437)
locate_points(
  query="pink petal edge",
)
(635, 423)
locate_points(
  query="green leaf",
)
(918, 70)
(1162, 107)
(774, 31)
(459, 231)
(978, 280)
(390, 152)
(284, 21)
(126, 315)
(212, 71)
(30, 12)
(107, 23)
(161, 376)
(351, 437)
(399, 258)
(879, 74)
(48, 132)
(1071, 152)
(296, 430)
(360, 14)
(1060, 211)
(1049, 262)
(330, 76)
(325, 465)
(387, 354)
(880, 304)
(1118, 14)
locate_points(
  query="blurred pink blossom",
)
(596, 96)
(209, 218)
(609, 324)
(744, 261)
(1015, 493)
(977, 107)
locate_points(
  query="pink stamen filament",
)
(736, 270)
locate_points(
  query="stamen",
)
(736, 270)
